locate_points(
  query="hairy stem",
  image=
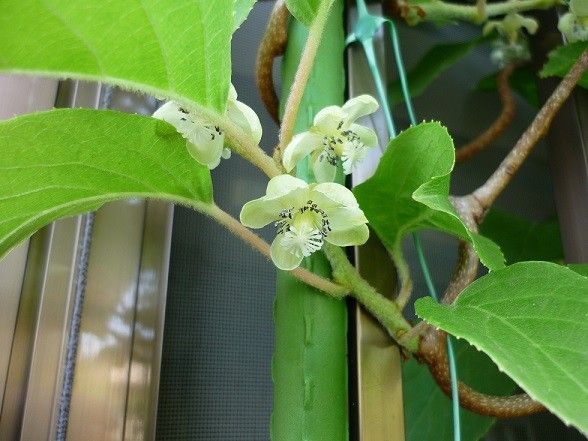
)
(405, 280)
(433, 352)
(273, 44)
(384, 310)
(438, 10)
(504, 120)
(241, 143)
(257, 243)
(466, 269)
(302, 74)
(491, 189)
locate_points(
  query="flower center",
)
(304, 229)
(344, 144)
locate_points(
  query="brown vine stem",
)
(466, 270)
(433, 352)
(432, 347)
(489, 191)
(257, 243)
(273, 44)
(302, 75)
(485, 139)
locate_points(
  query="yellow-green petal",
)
(299, 147)
(283, 184)
(282, 257)
(323, 170)
(328, 119)
(170, 112)
(260, 212)
(334, 195)
(360, 106)
(246, 118)
(205, 146)
(356, 235)
(366, 135)
(345, 217)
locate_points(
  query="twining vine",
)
(426, 343)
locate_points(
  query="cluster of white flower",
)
(512, 45)
(206, 142)
(305, 215)
(574, 24)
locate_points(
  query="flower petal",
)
(301, 145)
(226, 154)
(343, 218)
(283, 184)
(366, 135)
(205, 145)
(260, 212)
(357, 235)
(333, 195)
(245, 117)
(328, 119)
(359, 106)
(283, 258)
(232, 93)
(323, 170)
(172, 113)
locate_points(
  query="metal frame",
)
(379, 373)
(115, 386)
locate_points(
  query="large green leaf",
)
(410, 188)
(561, 60)
(434, 63)
(531, 319)
(303, 10)
(176, 49)
(65, 162)
(427, 409)
(580, 268)
(241, 10)
(520, 239)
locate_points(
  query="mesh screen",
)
(215, 380)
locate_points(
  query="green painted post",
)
(310, 357)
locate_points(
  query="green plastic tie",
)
(365, 28)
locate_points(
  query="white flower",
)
(206, 142)
(306, 216)
(334, 136)
(579, 8)
(575, 28)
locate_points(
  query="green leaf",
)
(423, 397)
(580, 268)
(410, 188)
(520, 239)
(241, 9)
(523, 81)
(562, 58)
(434, 63)
(303, 10)
(531, 319)
(177, 49)
(65, 162)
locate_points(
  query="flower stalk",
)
(383, 309)
(302, 74)
(257, 243)
(440, 11)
